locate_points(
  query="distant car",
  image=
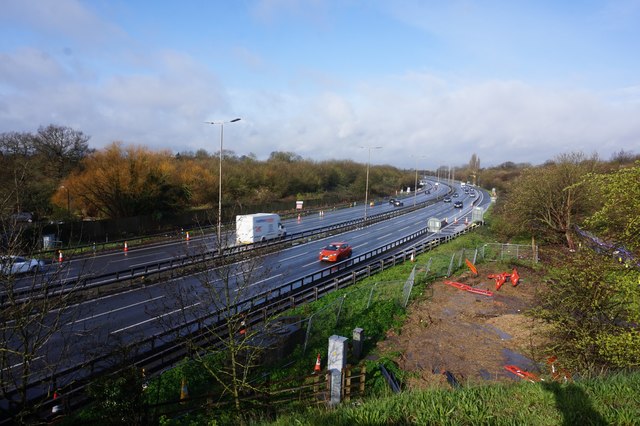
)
(335, 252)
(455, 195)
(22, 217)
(392, 200)
(472, 193)
(457, 204)
(447, 199)
(398, 203)
(15, 265)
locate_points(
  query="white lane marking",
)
(20, 363)
(114, 310)
(153, 319)
(258, 282)
(293, 257)
(384, 236)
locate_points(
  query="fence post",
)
(306, 337)
(363, 376)
(347, 384)
(373, 287)
(340, 310)
(336, 364)
(453, 256)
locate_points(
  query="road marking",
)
(19, 364)
(114, 310)
(293, 257)
(384, 236)
(258, 282)
(153, 319)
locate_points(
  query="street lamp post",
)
(221, 123)
(415, 188)
(366, 191)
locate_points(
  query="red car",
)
(335, 252)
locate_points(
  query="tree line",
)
(54, 173)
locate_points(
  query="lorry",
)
(258, 227)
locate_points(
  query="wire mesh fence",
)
(349, 309)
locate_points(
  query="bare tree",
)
(546, 201)
(35, 340)
(227, 344)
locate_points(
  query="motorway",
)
(108, 323)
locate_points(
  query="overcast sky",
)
(431, 82)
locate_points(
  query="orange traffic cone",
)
(316, 369)
(466, 220)
(187, 235)
(126, 248)
(455, 220)
(184, 391)
(60, 256)
(299, 218)
(57, 407)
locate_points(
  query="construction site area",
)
(453, 336)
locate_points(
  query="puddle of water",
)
(485, 374)
(514, 358)
(502, 334)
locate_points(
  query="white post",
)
(336, 363)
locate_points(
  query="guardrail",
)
(160, 351)
(157, 270)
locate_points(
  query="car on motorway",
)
(447, 199)
(16, 265)
(398, 203)
(455, 195)
(457, 204)
(472, 193)
(335, 252)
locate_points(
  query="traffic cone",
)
(413, 259)
(187, 235)
(299, 218)
(455, 220)
(184, 391)
(126, 248)
(57, 405)
(60, 256)
(466, 220)
(316, 369)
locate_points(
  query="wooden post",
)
(347, 385)
(363, 375)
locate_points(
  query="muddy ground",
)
(472, 336)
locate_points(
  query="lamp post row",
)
(366, 191)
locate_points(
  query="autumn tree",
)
(122, 182)
(547, 201)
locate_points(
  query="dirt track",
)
(472, 336)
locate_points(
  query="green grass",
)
(598, 401)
